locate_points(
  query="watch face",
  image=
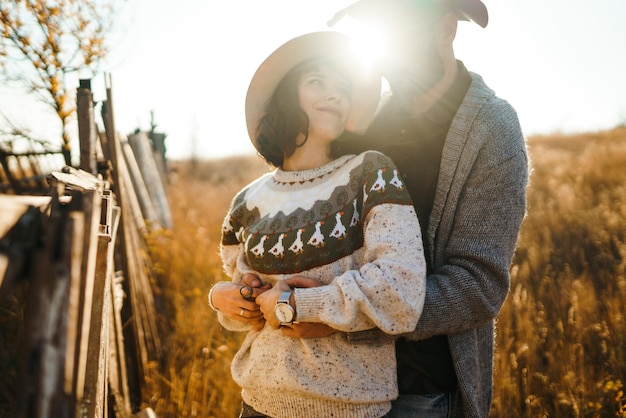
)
(284, 313)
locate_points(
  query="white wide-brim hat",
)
(366, 86)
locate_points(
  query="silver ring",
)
(246, 292)
(242, 312)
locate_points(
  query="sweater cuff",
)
(310, 303)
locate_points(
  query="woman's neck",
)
(307, 157)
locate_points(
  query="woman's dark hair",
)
(284, 119)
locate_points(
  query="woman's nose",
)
(334, 95)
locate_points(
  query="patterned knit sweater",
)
(350, 224)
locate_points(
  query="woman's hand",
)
(237, 300)
(267, 302)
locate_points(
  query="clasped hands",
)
(252, 302)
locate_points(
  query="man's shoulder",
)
(486, 109)
(479, 91)
(490, 122)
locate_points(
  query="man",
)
(463, 157)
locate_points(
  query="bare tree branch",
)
(45, 40)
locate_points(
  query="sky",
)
(560, 63)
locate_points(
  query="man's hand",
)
(303, 281)
(307, 330)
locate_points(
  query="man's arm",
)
(473, 252)
(470, 286)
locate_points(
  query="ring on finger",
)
(246, 292)
(241, 313)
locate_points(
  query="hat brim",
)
(474, 10)
(366, 87)
(471, 10)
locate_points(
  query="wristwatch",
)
(283, 310)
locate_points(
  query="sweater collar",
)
(281, 176)
(444, 109)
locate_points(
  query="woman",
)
(347, 222)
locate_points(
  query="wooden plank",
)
(91, 208)
(147, 343)
(86, 199)
(95, 388)
(132, 366)
(19, 226)
(150, 172)
(133, 291)
(144, 299)
(133, 233)
(73, 309)
(86, 127)
(117, 371)
(74, 179)
(13, 207)
(8, 171)
(146, 205)
(131, 209)
(44, 346)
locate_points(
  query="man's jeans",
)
(422, 406)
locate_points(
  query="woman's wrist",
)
(210, 297)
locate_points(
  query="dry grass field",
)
(561, 342)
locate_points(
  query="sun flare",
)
(368, 42)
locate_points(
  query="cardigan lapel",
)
(460, 149)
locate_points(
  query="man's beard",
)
(414, 84)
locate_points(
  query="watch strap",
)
(284, 297)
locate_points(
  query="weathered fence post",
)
(142, 149)
(86, 127)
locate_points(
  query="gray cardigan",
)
(478, 209)
(479, 206)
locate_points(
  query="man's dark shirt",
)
(415, 145)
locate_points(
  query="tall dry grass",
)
(561, 341)
(561, 335)
(193, 379)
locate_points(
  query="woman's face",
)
(324, 96)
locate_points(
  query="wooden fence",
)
(25, 172)
(89, 328)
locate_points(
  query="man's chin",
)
(411, 86)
